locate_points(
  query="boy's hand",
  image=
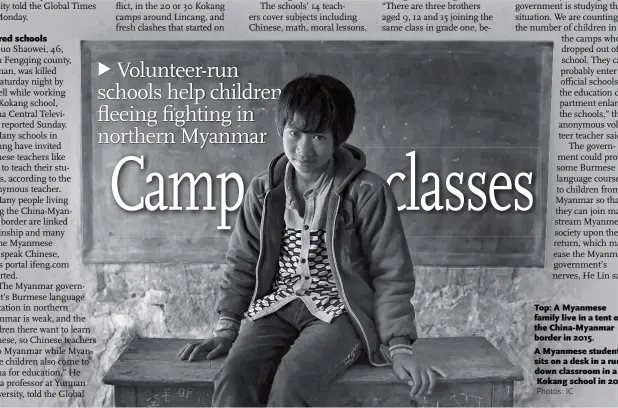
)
(420, 376)
(209, 349)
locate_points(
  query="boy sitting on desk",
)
(318, 264)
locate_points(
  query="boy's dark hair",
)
(314, 103)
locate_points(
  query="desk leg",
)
(502, 394)
(125, 396)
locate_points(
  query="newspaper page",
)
(308, 202)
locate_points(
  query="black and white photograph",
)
(368, 206)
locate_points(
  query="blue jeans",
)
(287, 358)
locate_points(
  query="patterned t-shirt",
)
(304, 270)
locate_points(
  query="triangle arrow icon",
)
(103, 68)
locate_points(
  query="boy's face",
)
(309, 153)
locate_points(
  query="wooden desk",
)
(148, 373)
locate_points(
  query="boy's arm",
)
(390, 266)
(238, 283)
